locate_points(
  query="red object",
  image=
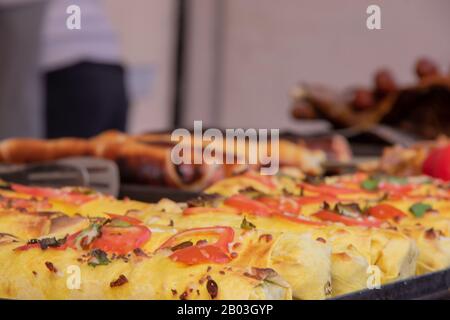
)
(269, 207)
(245, 204)
(289, 208)
(121, 240)
(326, 215)
(298, 219)
(315, 199)
(326, 190)
(437, 164)
(396, 189)
(385, 211)
(283, 204)
(216, 252)
(57, 194)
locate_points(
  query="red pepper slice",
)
(285, 208)
(248, 205)
(396, 189)
(282, 204)
(315, 199)
(332, 191)
(121, 240)
(52, 193)
(437, 164)
(298, 219)
(216, 252)
(385, 211)
(326, 215)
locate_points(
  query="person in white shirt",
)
(21, 108)
(83, 78)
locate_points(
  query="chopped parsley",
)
(87, 236)
(98, 258)
(419, 209)
(370, 184)
(46, 243)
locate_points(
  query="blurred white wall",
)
(268, 46)
(146, 30)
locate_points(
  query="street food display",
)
(146, 159)
(248, 237)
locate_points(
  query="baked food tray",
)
(435, 285)
(431, 286)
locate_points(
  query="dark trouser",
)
(85, 99)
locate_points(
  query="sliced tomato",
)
(130, 220)
(396, 189)
(330, 216)
(437, 164)
(287, 208)
(298, 219)
(52, 193)
(430, 165)
(216, 252)
(248, 205)
(199, 210)
(327, 190)
(282, 204)
(121, 240)
(198, 255)
(385, 212)
(315, 199)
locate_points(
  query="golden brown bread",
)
(24, 150)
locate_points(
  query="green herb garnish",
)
(98, 257)
(419, 209)
(370, 184)
(46, 243)
(88, 235)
